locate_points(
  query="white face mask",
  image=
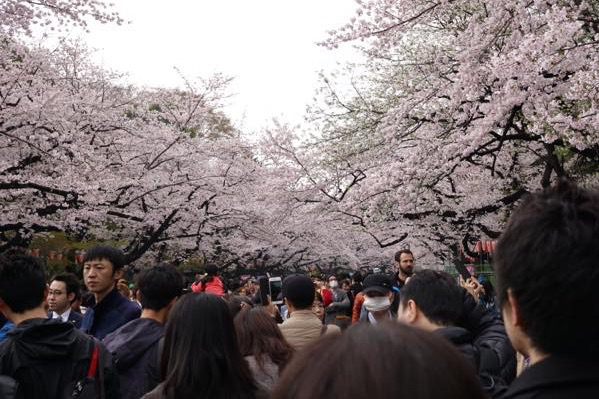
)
(376, 304)
(333, 284)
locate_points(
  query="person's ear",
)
(512, 309)
(117, 274)
(411, 312)
(71, 297)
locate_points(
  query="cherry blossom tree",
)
(462, 108)
(21, 16)
(81, 153)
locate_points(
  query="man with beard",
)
(404, 263)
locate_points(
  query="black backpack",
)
(92, 386)
(59, 377)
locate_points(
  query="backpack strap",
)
(93, 362)
(96, 367)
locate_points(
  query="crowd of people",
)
(419, 333)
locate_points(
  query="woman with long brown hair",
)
(262, 344)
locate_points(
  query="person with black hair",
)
(433, 301)
(356, 286)
(46, 357)
(135, 346)
(61, 295)
(547, 274)
(381, 361)
(211, 282)
(201, 356)
(303, 326)
(109, 310)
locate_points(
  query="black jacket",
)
(557, 377)
(134, 347)
(47, 357)
(461, 338)
(489, 335)
(111, 313)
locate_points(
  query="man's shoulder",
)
(301, 318)
(123, 310)
(76, 317)
(557, 377)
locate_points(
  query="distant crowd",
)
(415, 333)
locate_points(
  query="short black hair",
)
(299, 290)
(548, 258)
(357, 277)
(436, 294)
(159, 285)
(112, 254)
(70, 281)
(402, 251)
(22, 281)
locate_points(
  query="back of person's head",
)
(159, 285)
(546, 264)
(299, 290)
(211, 269)
(436, 294)
(71, 283)
(22, 281)
(237, 303)
(114, 255)
(383, 361)
(201, 356)
(259, 335)
(357, 277)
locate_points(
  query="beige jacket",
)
(304, 327)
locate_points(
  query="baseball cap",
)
(377, 282)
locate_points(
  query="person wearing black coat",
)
(488, 332)
(433, 301)
(547, 274)
(46, 358)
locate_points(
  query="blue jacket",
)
(111, 313)
(135, 348)
(5, 329)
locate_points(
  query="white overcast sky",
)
(269, 46)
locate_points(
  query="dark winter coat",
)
(47, 357)
(134, 348)
(111, 313)
(488, 333)
(461, 338)
(557, 377)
